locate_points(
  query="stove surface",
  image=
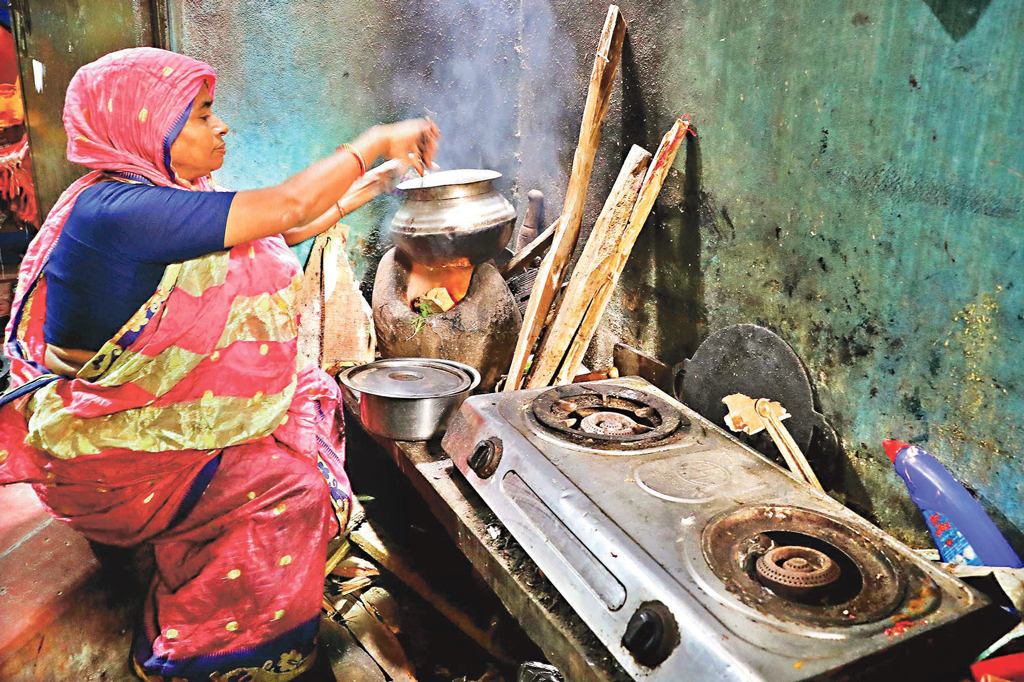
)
(688, 554)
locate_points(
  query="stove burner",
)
(607, 414)
(795, 572)
(611, 424)
(759, 552)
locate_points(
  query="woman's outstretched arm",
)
(376, 181)
(306, 196)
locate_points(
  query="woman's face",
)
(199, 149)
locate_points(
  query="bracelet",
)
(359, 157)
(340, 210)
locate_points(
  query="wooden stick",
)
(383, 550)
(773, 413)
(610, 373)
(656, 175)
(524, 256)
(592, 269)
(552, 269)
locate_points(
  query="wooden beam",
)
(593, 268)
(631, 362)
(656, 175)
(524, 256)
(552, 269)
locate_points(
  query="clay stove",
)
(450, 227)
(687, 553)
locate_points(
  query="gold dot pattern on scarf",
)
(142, 115)
(278, 615)
(278, 509)
(82, 138)
(251, 495)
(233, 574)
(252, 252)
(3, 456)
(264, 348)
(101, 490)
(168, 71)
(215, 356)
(208, 394)
(110, 105)
(285, 560)
(171, 634)
(232, 626)
(149, 498)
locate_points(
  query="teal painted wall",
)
(857, 184)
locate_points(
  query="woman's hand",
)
(413, 141)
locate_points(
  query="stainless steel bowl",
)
(410, 399)
(452, 218)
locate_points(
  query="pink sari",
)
(191, 428)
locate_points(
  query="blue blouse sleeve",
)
(161, 224)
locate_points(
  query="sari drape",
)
(192, 428)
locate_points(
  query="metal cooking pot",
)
(409, 398)
(453, 218)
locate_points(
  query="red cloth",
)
(1001, 668)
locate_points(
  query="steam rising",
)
(496, 75)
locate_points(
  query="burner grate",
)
(607, 414)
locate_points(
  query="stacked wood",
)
(593, 268)
(552, 269)
(602, 262)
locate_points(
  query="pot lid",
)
(411, 378)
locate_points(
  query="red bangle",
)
(359, 157)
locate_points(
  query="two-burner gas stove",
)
(688, 554)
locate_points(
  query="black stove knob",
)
(484, 459)
(651, 634)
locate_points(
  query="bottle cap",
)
(893, 448)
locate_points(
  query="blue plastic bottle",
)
(961, 529)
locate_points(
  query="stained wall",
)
(857, 184)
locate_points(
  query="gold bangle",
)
(341, 211)
(359, 157)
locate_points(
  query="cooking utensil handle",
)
(787, 446)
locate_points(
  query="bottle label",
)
(953, 546)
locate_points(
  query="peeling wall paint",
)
(857, 186)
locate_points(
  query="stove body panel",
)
(621, 534)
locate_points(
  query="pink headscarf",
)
(118, 113)
(120, 108)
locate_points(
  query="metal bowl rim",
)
(474, 377)
(472, 176)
